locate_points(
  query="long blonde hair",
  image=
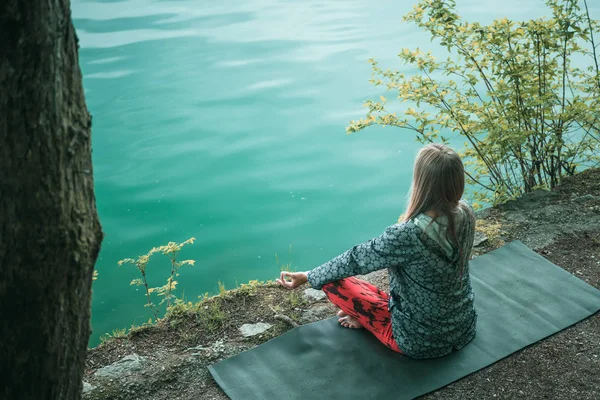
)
(438, 185)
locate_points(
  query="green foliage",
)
(105, 338)
(295, 300)
(249, 289)
(222, 289)
(119, 333)
(180, 311)
(208, 311)
(116, 334)
(211, 315)
(510, 90)
(171, 250)
(136, 330)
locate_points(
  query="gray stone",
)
(125, 366)
(249, 330)
(219, 345)
(480, 238)
(199, 347)
(585, 198)
(529, 201)
(538, 195)
(87, 387)
(314, 295)
(517, 217)
(316, 314)
(551, 213)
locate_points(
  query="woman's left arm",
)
(384, 251)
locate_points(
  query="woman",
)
(429, 311)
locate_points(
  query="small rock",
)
(87, 387)
(316, 314)
(314, 295)
(218, 346)
(516, 216)
(199, 347)
(249, 330)
(125, 366)
(480, 238)
(537, 195)
(585, 198)
(549, 213)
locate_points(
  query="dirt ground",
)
(563, 226)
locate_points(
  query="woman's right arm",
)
(384, 251)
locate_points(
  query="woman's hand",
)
(297, 279)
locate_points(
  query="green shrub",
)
(528, 116)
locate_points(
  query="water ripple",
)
(274, 83)
(109, 75)
(108, 60)
(102, 40)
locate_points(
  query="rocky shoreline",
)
(169, 360)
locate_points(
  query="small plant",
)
(171, 250)
(105, 338)
(136, 330)
(285, 266)
(116, 334)
(211, 314)
(295, 300)
(207, 311)
(181, 310)
(119, 333)
(189, 337)
(249, 288)
(222, 289)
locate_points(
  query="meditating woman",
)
(429, 310)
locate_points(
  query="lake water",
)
(225, 121)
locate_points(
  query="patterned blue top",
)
(431, 299)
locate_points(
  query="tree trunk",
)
(49, 230)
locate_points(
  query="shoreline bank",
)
(168, 360)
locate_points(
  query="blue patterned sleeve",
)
(390, 249)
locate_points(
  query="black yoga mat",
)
(520, 296)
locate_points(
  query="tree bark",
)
(49, 230)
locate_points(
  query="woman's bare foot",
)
(347, 321)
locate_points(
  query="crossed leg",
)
(362, 305)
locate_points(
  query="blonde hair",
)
(438, 185)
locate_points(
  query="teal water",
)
(226, 121)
